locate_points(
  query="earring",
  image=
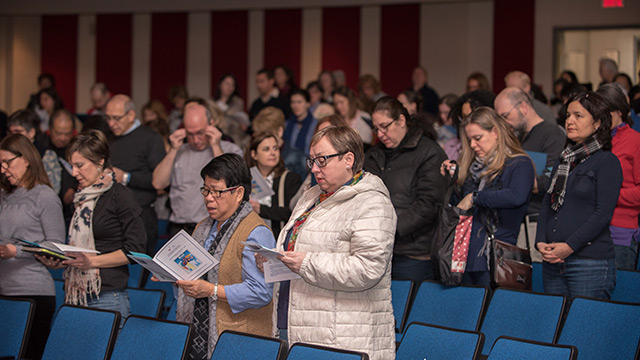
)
(348, 167)
(99, 168)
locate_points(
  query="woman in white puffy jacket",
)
(339, 239)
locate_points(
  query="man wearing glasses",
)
(135, 151)
(192, 147)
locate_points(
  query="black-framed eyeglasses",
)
(321, 161)
(216, 193)
(506, 115)
(383, 127)
(116, 117)
(6, 163)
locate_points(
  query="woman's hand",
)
(8, 251)
(82, 261)
(293, 260)
(196, 288)
(449, 166)
(256, 206)
(49, 262)
(260, 260)
(467, 202)
(554, 253)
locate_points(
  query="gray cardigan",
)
(34, 215)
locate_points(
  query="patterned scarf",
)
(206, 333)
(476, 171)
(79, 283)
(323, 196)
(570, 157)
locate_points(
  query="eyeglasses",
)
(321, 161)
(116, 117)
(506, 115)
(216, 193)
(383, 127)
(6, 163)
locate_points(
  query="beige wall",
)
(22, 60)
(571, 13)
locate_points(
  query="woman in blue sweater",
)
(496, 177)
(573, 227)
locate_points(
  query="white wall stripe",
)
(369, 42)
(86, 58)
(24, 66)
(256, 52)
(480, 39)
(141, 62)
(199, 54)
(311, 62)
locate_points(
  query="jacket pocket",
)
(585, 182)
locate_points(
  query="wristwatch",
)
(214, 297)
(126, 177)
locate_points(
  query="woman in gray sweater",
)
(29, 210)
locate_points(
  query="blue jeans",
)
(112, 300)
(626, 256)
(593, 278)
(403, 267)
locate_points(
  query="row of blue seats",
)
(599, 329)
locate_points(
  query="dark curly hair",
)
(597, 106)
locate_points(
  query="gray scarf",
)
(186, 304)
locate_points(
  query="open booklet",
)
(274, 269)
(50, 249)
(181, 258)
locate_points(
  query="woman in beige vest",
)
(232, 295)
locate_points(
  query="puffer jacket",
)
(412, 175)
(344, 296)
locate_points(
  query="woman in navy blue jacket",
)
(573, 227)
(496, 177)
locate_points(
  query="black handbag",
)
(448, 254)
(510, 265)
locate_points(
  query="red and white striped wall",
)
(143, 54)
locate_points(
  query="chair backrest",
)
(536, 278)
(146, 302)
(401, 291)
(144, 337)
(171, 314)
(508, 348)
(82, 333)
(602, 329)
(524, 315)
(425, 341)
(458, 307)
(135, 276)
(304, 351)
(16, 317)
(242, 346)
(627, 286)
(167, 287)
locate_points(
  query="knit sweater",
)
(625, 147)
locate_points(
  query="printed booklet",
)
(181, 258)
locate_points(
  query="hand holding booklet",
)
(181, 258)
(49, 249)
(274, 269)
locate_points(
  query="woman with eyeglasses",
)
(107, 219)
(232, 295)
(339, 239)
(264, 155)
(407, 159)
(29, 210)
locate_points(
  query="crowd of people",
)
(346, 183)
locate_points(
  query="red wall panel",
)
(168, 54)
(283, 39)
(229, 48)
(399, 46)
(59, 54)
(114, 52)
(341, 42)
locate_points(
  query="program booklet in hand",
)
(181, 258)
(49, 249)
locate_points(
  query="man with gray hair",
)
(136, 150)
(192, 147)
(535, 135)
(522, 81)
(608, 70)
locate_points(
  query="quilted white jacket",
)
(344, 297)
